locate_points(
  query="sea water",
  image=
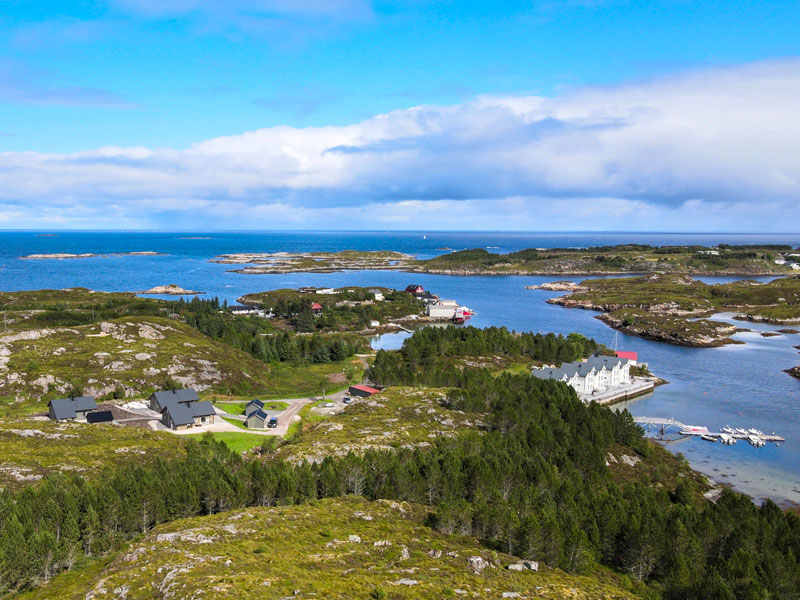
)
(740, 385)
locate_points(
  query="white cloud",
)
(716, 142)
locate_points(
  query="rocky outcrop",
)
(170, 290)
(698, 334)
(794, 371)
(557, 286)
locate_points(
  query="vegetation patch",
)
(33, 448)
(342, 548)
(396, 418)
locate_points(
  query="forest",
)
(534, 483)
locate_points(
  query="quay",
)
(620, 393)
(664, 424)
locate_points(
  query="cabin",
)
(377, 294)
(257, 419)
(428, 297)
(253, 406)
(71, 409)
(415, 289)
(362, 391)
(316, 308)
(159, 400)
(244, 310)
(182, 409)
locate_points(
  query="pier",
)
(665, 424)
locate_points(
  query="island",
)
(724, 259)
(170, 290)
(317, 262)
(674, 308)
(66, 255)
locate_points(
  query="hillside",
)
(629, 258)
(396, 418)
(126, 357)
(31, 450)
(340, 548)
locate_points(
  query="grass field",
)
(238, 442)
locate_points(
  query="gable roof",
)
(179, 413)
(63, 408)
(316, 306)
(628, 355)
(256, 402)
(100, 416)
(83, 403)
(166, 397)
(609, 362)
(259, 414)
(364, 388)
(202, 409)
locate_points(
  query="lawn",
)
(238, 442)
(237, 408)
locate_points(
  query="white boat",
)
(741, 431)
(755, 432)
(727, 429)
(756, 441)
(727, 439)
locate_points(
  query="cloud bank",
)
(714, 146)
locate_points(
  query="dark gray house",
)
(257, 419)
(159, 400)
(70, 409)
(181, 409)
(253, 406)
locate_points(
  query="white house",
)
(377, 294)
(596, 374)
(780, 261)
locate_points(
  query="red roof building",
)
(362, 391)
(629, 355)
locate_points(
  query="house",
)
(795, 267)
(780, 261)
(253, 406)
(709, 252)
(377, 294)
(374, 323)
(442, 309)
(362, 391)
(415, 289)
(244, 310)
(596, 374)
(181, 409)
(70, 409)
(326, 291)
(633, 357)
(159, 400)
(257, 419)
(428, 297)
(316, 308)
(183, 415)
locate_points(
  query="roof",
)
(84, 403)
(628, 355)
(179, 413)
(63, 408)
(256, 402)
(609, 362)
(202, 409)
(67, 408)
(316, 306)
(259, 414)
(365, 388)
(166, 397)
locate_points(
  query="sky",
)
(551, 115)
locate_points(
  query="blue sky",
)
(367, 113)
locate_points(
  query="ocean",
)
(740, 385)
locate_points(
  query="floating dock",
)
(703, 432)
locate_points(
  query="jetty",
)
(729, 436)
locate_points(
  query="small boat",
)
(467, 312)
(755, 432)
(756, 441)
(727, 429)
(727, 439)
(458, 320)
(741, 431)
(708, 438)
